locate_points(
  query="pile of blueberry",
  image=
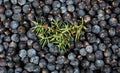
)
(97, 51)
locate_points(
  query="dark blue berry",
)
(34, 59)
(31, 52)
(15, 37)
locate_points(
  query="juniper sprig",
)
(59, 33)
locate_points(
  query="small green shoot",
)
(59, 33)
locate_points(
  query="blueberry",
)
(50, 17)
(99, 63)
(118, 30)
(42, 63)
(14, 24)
(111, 31)
(91, 57)
(7, 4)
(68, 69)
(29, 43)
(16, 58)
(67, 16)
(21, 29)
(22, 53)
(91, 37)
(26, 8)
(3, 70)
(107, 69)
(48, 2)
(0, 2)
(102, 46)
(35, 4)
(62, 1)
(71, 56)
(7, 38)
(85, 64)
(18, 70)
(34, 59)
(108, 53)
(23, 37)
(31, 52)
(95, 7)
(45, 71)
(2, 17)
(36, 46)
(60, 59)
(22, 45)
(15, 37)
(83, 52)
(87, 18)
(31, 35)
(89, 49)
(12, 44)
(70, 8)
(81, 5)
(50, 57)
(76, 70)
(46, 9)
(103, 34)
(2, 9)
(114, 48)
(81, 12)
(3, 62)
(16, 9)
(98, 54)
(117, 10)
(96, 29)
(8, 12)
(56, 4)
(92, 66)
(63, 9)
(30, 0)
(69, 2)
(103, 24)
(1, 48)
(21, 2)
(13, 1)
(113, 21)
(29, 67)
(17, 17)
(98, 41)
(55, 71)
(75, 62)
(59, 66)
(51, 67)
(91, 12)
(10, 71)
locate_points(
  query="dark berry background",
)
(97, 51)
